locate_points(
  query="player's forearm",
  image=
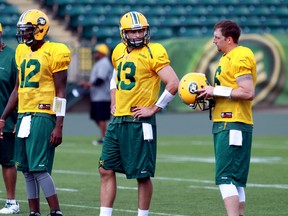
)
(59, 122)
(11, 105)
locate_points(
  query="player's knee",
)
(106, 173)
(228, 190)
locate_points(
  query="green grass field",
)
(184, 182)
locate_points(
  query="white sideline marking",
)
(90, 207)
(127, 188)
(205, 187)
(67, 189)
(174, 158)
(202, 181)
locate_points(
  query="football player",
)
(234, 90)
(40, 96)
(130, 141)
(8, 75)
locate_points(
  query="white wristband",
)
(59, 106)
(164, 99)
(222, 91)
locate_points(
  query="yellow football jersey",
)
(36, 86)
(237, 62)
(137, 81)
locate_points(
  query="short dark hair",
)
(229, 28)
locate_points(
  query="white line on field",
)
(67, 189)
(174, 158)
(205, 187)
(91, 207)
(276, 186)
(127, 188)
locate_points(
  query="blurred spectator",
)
(99, 85)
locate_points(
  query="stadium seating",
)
(96, 19)
(9, 17)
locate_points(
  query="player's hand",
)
(112, 109)
(2, 125)
(206, 92)
(56, 137)
(142, 112)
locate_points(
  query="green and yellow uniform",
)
(137, 85)
(238, 62)
(137, 81)
(35, 97)
(36, 86)
(235, 115)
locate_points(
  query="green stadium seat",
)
(254, 30)
(60, 2)
(156, 11)
(253, 21)
(89, 20)
(280, 11)
(210, 21)
(178, 10)
(190, 21)
(170, 21)
(169, 18)
(218, 10)
(270, 2)
(196, 10)
(155, 21)
(158, 2)
(112, 2)
(109, 20)
(260, 10)
(118, 10)
(104, 32)
(249, 2)
(189, 2)
(160, 33)
(144, 9)
(272, 22)
(71, 10)
(240, 10)
(9, 31)
(110, 41)
(230, 2)
(209, 2)
(9, 19)
(189, 32)
(8, 9)
(85, 2)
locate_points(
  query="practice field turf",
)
(184, 182)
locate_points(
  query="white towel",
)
(24, 129)
(147, 131)
(235, 137)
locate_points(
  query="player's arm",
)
(60, 80)
(113, 92)
(171, 81)
(11, 105)
(244, 91)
